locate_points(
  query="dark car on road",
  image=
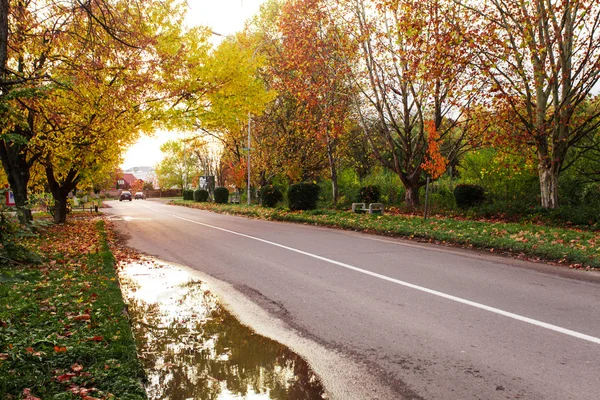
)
(139, 195)
(125, 195)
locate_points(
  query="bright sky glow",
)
(222, 16)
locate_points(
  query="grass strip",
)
(64, 332)
(574, 247)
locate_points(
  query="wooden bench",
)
(361, 208)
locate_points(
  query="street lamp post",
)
(249, 113)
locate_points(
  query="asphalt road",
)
(412, 320)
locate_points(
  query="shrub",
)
(441, 196)
(369, 194)
(201, 195)
(467, 195)
(591, 194)
(270, 196)
(303, 196)
(221, 195)
(188, 194)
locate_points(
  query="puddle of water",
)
(192, 348)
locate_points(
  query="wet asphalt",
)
(384, 318)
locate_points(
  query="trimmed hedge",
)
(270, 196)
(221, 195)
(201, 195)
(369, 194)
(188, 194)
(467, 195)
(303, 196)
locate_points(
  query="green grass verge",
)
(63, 330)
(578, 248)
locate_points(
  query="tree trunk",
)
(411, 197)
(548, 186)
(60, 208)
(60, 192)
(17, 170)
(333, 169)
(334, 182)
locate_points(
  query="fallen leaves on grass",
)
(28, 395)
(65, 307)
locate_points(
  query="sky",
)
(222, 16)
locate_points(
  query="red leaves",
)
(82, 317)
(65, 377)
(76, 367)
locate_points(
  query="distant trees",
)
(179, 166)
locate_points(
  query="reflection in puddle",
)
(192, 348)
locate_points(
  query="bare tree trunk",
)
(548, 176)
(411, 197)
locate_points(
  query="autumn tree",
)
(543, 60)
(95, 106)
(317, 60)
(415, 80)
(89, 78)
(281, 149)
(222, 94)
(20, 67)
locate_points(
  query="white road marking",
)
(494, 310)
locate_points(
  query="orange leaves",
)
(435, 163)
(315, 73)
(82, 317)
(59, 349)
(237, 172)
